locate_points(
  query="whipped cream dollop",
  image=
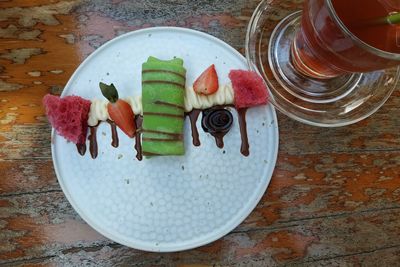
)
(224, 96)
(136, 104)
(98, 112)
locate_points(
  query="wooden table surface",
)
(334, 199)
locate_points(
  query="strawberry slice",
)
(119, 110)
(207, 83)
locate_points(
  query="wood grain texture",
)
(334, 199)
(299, 242)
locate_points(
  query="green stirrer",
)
(393, 18)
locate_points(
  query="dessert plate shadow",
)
(165, 204)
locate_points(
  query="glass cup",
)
(319, 68)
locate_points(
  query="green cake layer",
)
(163, 90)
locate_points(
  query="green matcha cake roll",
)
(163, 90)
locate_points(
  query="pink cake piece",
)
(68, 116)
(249, 89)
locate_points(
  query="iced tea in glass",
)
(342, 36)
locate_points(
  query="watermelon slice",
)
(249, 89)
(68, 116)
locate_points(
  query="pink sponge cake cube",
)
(68, 116)
(249, 89)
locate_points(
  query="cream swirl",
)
(136, 104)
(224, 96)
(98, 112)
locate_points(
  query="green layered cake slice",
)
(163, 90)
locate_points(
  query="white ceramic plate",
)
(165, 203)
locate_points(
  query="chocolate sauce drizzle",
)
(93, 147)
(162, 103)
(114, 133)
(138, 134)
(165, 71)
(181, 86)
(81, 148)
(217, 121)
(243, 132)
(193, 116)
(162, 114)
(173, 135)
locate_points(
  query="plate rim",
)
(268, 172)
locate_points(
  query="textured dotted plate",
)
(165, 203)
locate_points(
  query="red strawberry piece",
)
(207, 83)
(119, 110)
(121, 113)
(68, 116)
(249, 89)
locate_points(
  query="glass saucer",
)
(355, 96)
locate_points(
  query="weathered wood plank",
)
(377, 133)
(306, 242)
(380, 257)
(41, 224)
(26, 141)
(26, 176)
